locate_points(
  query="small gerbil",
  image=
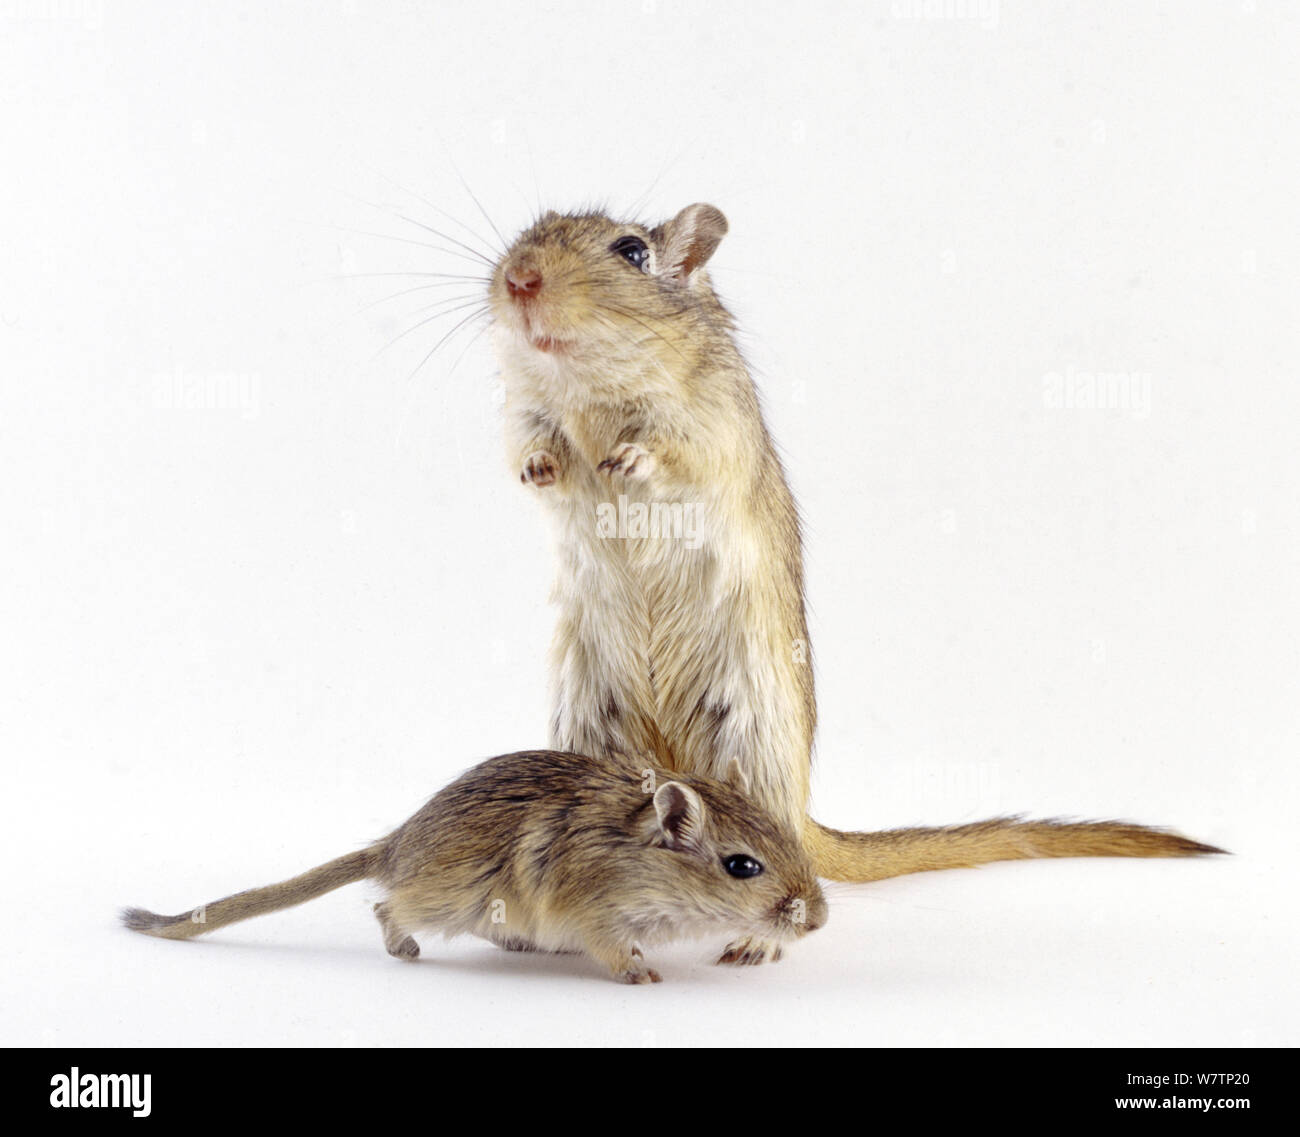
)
(631, 412)
(551, 851)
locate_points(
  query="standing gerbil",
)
(626, 400)
(549, 851)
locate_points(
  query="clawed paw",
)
(540, 468)
(748, 952)
(630, 460)
(641, 975)
(405, 948)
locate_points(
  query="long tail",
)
(861, 857)
(254, 902)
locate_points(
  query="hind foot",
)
(396, 942)
(743, 952)
(405, 948)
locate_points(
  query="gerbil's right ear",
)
(688, 240)
(681, 815)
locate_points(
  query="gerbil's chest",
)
(660, 519)
(593, 434)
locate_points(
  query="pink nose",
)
(523, 282)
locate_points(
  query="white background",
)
(264, 590)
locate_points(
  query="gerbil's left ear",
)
(681, 815)
(689, 239)
(737, 777)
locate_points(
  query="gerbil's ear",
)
(681, 815)
(737, 777)
(688, 240)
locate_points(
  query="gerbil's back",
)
(478, 823)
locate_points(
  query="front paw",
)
(750, 952)
(639, 973)
(630, 460)
(540, 468)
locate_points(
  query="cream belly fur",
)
(666, 650)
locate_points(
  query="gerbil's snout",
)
(535, 296)
(806, 912)
(523, 281)
(817, 916)
(802, 912)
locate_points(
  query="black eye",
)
(633, 250)
(740, 865)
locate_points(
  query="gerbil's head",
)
(584, 289)
(728, 864)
